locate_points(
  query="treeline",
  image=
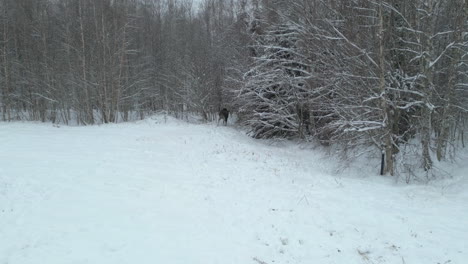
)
(391, 74)
(98, 61)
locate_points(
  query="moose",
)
(223, 115)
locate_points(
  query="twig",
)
(259, 261)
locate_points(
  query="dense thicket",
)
(98, 61)
(390, 74)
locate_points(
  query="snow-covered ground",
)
(156, 192)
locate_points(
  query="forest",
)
(386, 75)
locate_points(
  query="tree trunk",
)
(6, 71)
(385, 108)
(448, 114)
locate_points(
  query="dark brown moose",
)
(223, 115)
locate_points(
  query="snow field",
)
(157, 192)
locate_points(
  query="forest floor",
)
(172, 192)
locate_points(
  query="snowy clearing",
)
(156, 192)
